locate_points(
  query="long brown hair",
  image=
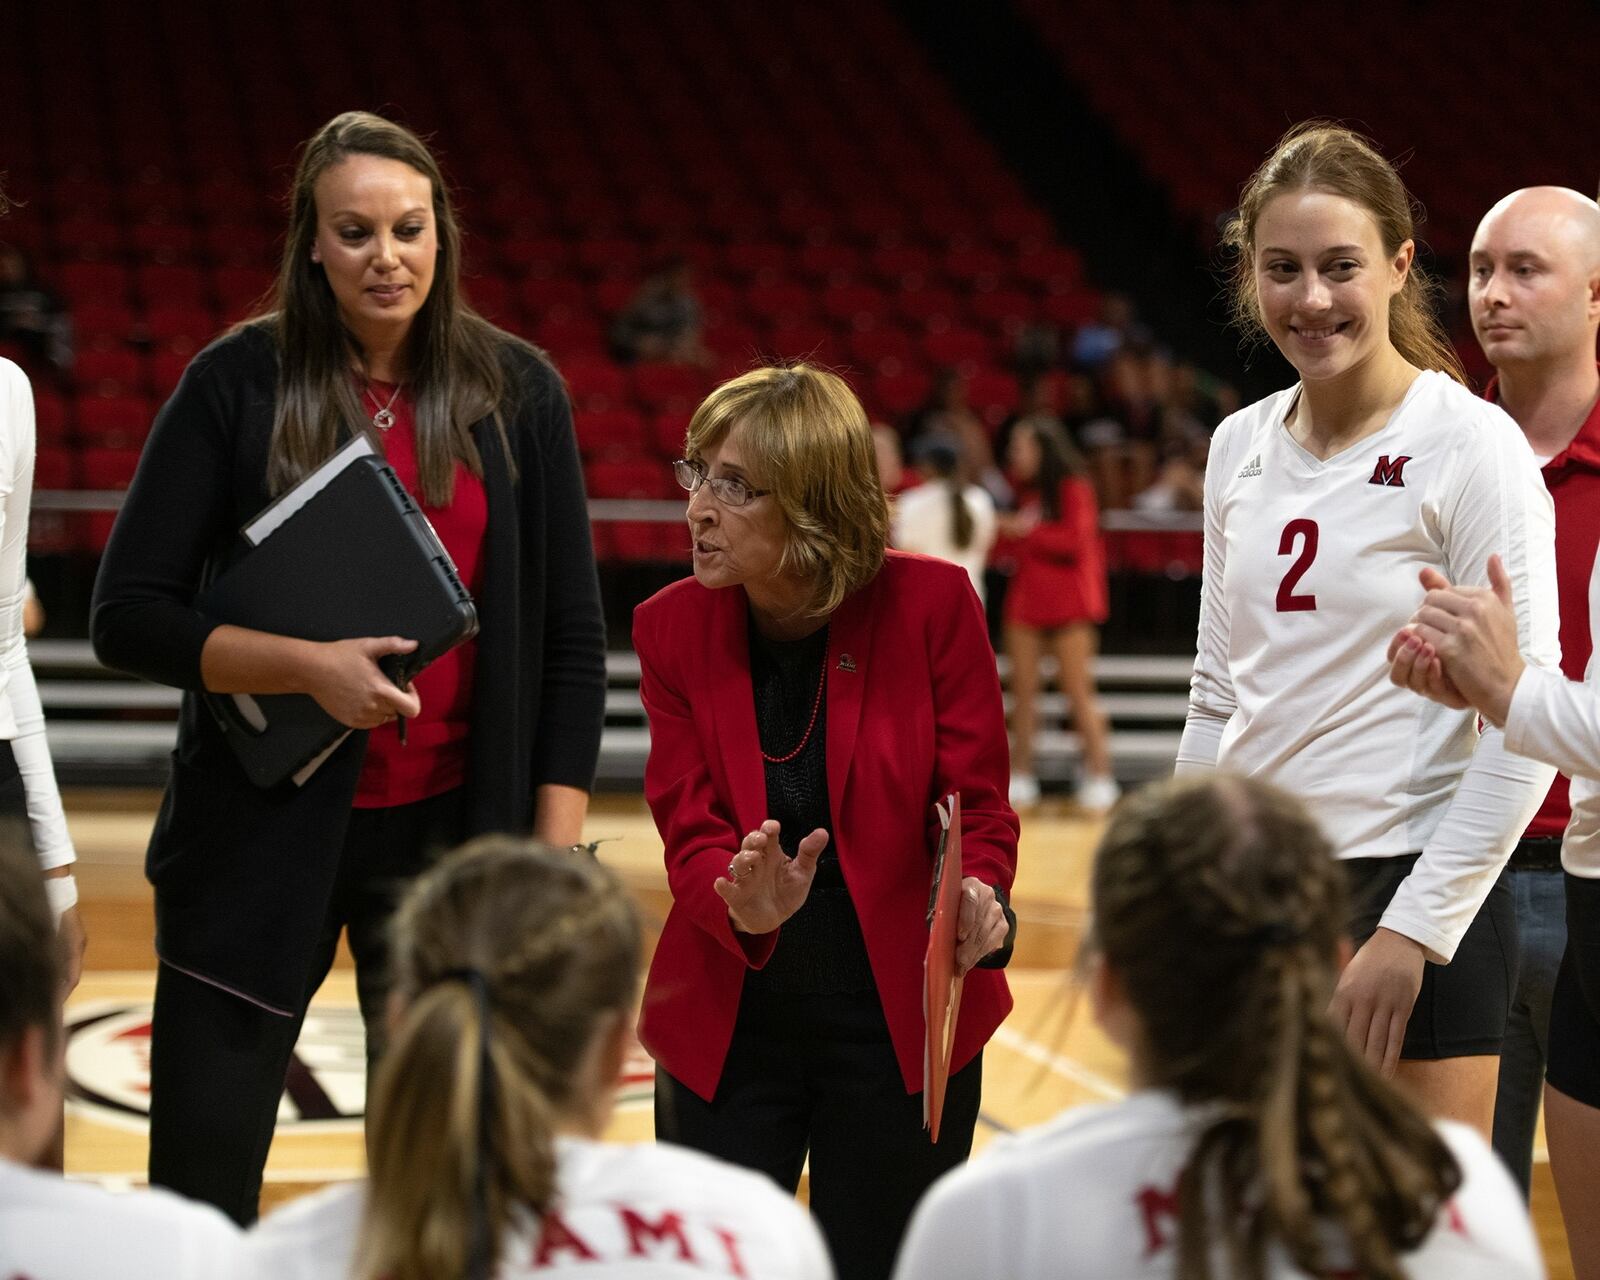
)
(1219, 906)
(1059, 460)
(454, 372)
(509, 957)
(1319, 156)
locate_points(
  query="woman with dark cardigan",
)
(254, 886)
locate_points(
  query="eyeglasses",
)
(728, 490)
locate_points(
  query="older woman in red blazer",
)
(811, 695)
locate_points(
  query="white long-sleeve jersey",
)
(21, 713)
(1093, 1193)
(1558, 721)
(654, 1212)
(52, 1229)
(1310, 568)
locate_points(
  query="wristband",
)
(62, 892)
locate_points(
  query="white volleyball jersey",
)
(1310, 568)
(923, 523)
(52, 1229)
(655, 1212)
(1558, 721)
(1094, 1193)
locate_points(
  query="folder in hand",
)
(941, 994)
(346, 553)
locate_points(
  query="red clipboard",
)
(941, 992)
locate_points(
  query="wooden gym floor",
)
(1038, 1063)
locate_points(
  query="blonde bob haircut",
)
(805, 437)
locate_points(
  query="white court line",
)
(1059, 1063)
(131, 1181)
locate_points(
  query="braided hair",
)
(1219, 906)
(509, 956)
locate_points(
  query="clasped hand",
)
(1460, 647)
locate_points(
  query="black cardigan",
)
(243, 876)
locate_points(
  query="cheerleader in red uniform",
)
(1057, 594)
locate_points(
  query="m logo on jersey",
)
(1390, 472)
(1251, 468)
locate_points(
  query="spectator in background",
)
(947, 413)
(1180, 483)
(1096, 342)
(1058, 595)
(945, 516)
(31, 315)
(663, 321)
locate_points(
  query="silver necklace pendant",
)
(383, 419)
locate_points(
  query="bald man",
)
(1535, 299)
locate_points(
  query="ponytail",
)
(510, 958)
(1229, 881)
(961, 522)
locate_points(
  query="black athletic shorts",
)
(1574, 1062)
(1462, 1007)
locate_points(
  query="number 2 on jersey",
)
(1288, 601)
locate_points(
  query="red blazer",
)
(914, 712)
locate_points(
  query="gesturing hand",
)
(981, 926)
(764, 886)
(350, 686)
(1375, 995)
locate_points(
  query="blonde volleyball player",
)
(516, 971)
(1322, 504)
(1256, 1143)
(52, 1229)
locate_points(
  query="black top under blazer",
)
(243, 876)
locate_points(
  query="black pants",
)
(218, 1062)
(819, 1074)
(1462, 1007)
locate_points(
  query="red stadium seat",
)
(674, 387)
(609, 432)
(595, 383)
(109, 373)
(182, 326)
(172, 283)
(113, 422)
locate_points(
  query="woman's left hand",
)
(1375, 996)
(981, 927)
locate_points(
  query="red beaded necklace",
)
(816, 706)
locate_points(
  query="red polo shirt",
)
(433, 758)
(1573, 478)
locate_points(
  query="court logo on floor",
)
(108, 1066)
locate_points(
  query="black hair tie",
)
(481, 1255)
